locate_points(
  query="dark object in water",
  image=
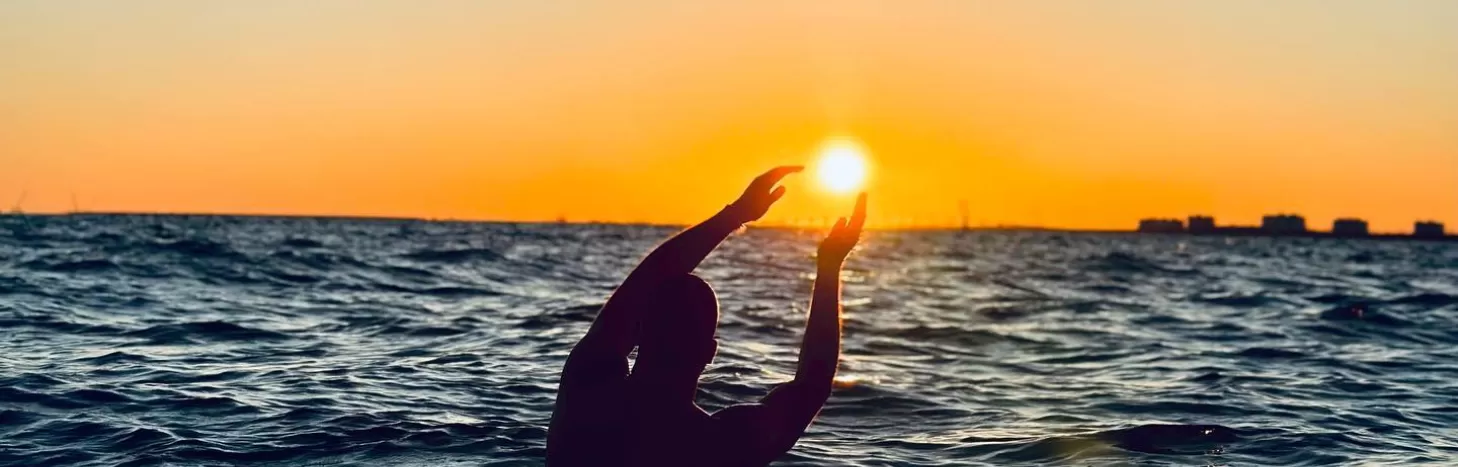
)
(1356, 311)
(1359, 312)
(1163, 439)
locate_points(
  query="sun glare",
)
(841, 167)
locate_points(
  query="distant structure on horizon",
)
(1428, 229)
(1285, 225)
(1161, 225)
(1349, 227)
(15, 209)
(966, 212)
(1201, 224)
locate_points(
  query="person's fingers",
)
(775, 195)
(773, 176)
(858, 217)
(839, 226)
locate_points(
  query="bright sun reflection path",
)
(841, 167)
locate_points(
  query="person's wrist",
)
(734, 213)
(829, 264)
(731, 215)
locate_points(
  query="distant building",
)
(1283, 224)
(1201, 224)
(1349, 227)
(1428, 229)
(1161, 225)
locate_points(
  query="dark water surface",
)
(225, 341)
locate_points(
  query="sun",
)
(841, 167)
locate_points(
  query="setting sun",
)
(841, 167)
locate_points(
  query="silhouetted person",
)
(607, 416)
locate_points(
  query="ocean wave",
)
(1425, 299)
(193, 248)
(1127, 262)
(1240, 301)
(71, 265)
(454, 255)
(1106, 447)
(300, 242)
(1269, 353)
(203, 331)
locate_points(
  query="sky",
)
(1059, 113)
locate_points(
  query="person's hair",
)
(678, 328)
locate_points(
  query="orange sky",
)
(1058, 113)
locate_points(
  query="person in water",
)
(608, 416)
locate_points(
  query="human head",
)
(679, 327)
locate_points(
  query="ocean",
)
(219, 341)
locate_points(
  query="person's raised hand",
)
(843, 236)
(762, 193)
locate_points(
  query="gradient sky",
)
(1063, 113)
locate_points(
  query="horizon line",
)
(764, 224)
(380, 217)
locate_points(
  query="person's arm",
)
(772, 426)
(614, 332)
